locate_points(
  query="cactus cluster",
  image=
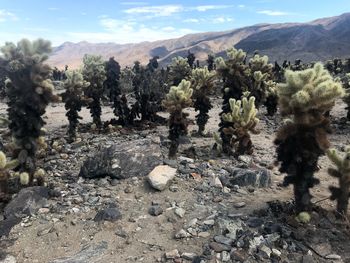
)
(342, 172)
(94, 72)
(202, 83)
(178, 98)
(29, 91)
(305, 98)
(243, 120)
(74, 99)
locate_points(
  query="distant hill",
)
(320, 39)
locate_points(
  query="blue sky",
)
(136, 21)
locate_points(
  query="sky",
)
(136, 21)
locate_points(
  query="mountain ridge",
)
(320, 39)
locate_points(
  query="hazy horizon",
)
(124, 22)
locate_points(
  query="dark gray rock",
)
(108, 214)
(27, 202)
(247, 177)
(155, 210)
(123, 160)
(255, 222)
(89, 253)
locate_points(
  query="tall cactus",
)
(341, 193)
(305, 98)
(178, 98)
(202, 83)
(233, 73)
(74, 99)
(29, 91)
(243, 120)
(94, 72)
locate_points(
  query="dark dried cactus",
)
(29, 91)
(306, 96)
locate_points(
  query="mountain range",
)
(317, 40)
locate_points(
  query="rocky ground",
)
(208, 208)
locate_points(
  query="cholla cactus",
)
(178, 98)
(243, 120)
(179, 70)
(5, 166)
(74, 99)
(341, 193)
(234, 73)
(271, 95)
(94, 72)
(305, 97)
(346, 98)
(260, 76)
(202, 83)
(29, 90)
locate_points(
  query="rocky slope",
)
(317, 40)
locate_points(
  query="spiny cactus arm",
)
(309, 89)
(333, 155)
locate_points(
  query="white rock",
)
(9, 259)
(180, 212)
(160, 176)
(188, 256)
(215, 181)
(172, 254)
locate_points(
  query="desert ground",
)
(198, 217)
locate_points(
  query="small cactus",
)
(178, 98)
(342, 172)
(243, 120)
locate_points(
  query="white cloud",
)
(241, 6)
(204, 8)
(191, 20)
(127, 31)
(161, 10)
(53, 8)
(221, 20)
(273, 13)
(5, 16)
